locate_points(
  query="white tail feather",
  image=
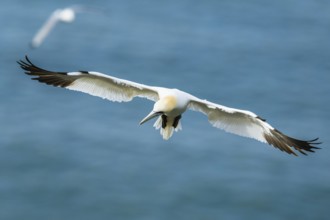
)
(158, 123)
(167, 132)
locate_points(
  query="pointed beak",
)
(151, 115)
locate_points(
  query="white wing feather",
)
(111, 88)
(248, 124)
(93, 83)
(240, 122)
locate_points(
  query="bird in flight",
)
(66, 15)
(169, 106)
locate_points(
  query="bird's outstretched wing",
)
(93, 83)
(248, 124)
(45, 29)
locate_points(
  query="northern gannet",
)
(169, 106)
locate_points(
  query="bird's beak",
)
(151, 115)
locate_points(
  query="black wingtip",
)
(58, 79)
(29, 61)
(289, 144)
(24, 64)
(30, 68)
(27, 65)
(304, 146)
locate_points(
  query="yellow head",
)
(162, 106)
(166, 104)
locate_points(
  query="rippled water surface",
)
(67, 155)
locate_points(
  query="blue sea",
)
(68, 155)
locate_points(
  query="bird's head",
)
(67, 15)
(166, 104)
(162, 106)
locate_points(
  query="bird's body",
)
(169, 106)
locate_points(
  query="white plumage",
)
(169, 106)
(66, 15)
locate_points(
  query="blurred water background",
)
(67, 155)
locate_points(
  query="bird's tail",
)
(167, 126)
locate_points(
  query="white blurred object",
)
(66, 15)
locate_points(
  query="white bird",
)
(66, 15)
(169, 105)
